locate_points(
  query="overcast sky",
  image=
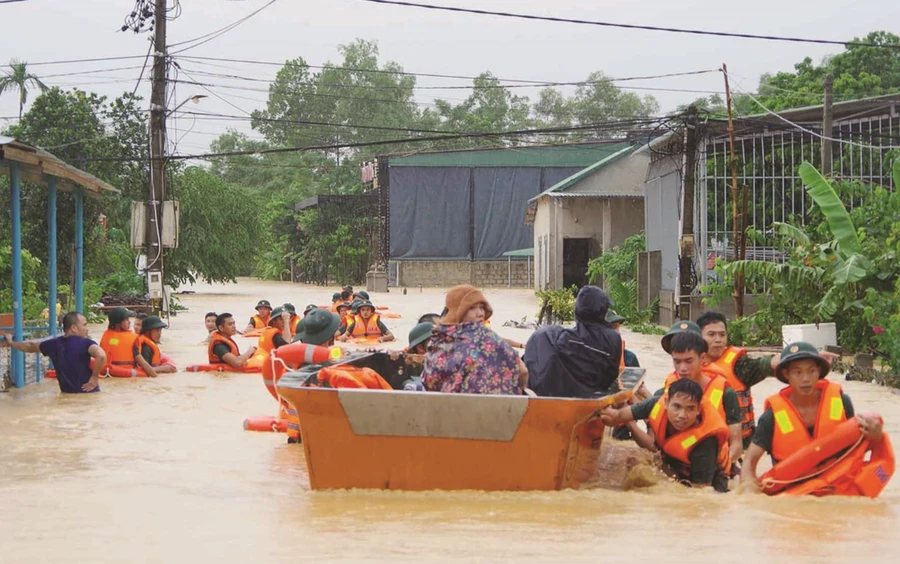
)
(437, 42)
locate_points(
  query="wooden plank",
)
(14, 154)
(72, 175)
(26, 173)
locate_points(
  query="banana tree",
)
(830, 274)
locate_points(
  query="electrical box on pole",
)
(168, 235)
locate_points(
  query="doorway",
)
(576, 255)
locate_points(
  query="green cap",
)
(799, 351)
(276, 313)
(613, 317)
(317, 327)
(152, 322)
(365, 303)
(263, 303)
(679, 327)
(335, 296)
(419, 334)
(343, 305)
(354, 306)
(309, 308)
(363, 294)
(119, 314)
(289, 307)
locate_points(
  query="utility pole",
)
(736, 200)
(827, 117)
(157, 160)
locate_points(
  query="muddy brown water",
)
(160, 470)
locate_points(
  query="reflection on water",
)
(161, 471)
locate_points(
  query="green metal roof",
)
(529, 252)
(571, 181)
(552, 156)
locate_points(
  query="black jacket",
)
(579, 362)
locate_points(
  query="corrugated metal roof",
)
(547, 156)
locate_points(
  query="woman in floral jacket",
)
(465, 356)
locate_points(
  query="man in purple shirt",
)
(71, 355)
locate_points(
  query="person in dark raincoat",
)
(579, 362)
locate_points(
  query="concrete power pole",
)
(157, 160)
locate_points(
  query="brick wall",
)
(484, 274)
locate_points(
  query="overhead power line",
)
(534, 17)
(612, 125)
(198, 41)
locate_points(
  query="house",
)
(690, 190)
(451, 217)
(577, 218)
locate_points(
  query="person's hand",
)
(343, 338)
(870, 426)
(830, 357)
(380, 340)
(91, 384)
(395, 355)
(610, 416)
(748, 486)
(5, 340)
(286, 316)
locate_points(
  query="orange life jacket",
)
(791, 433)
(724, 367)
(145, 340)
(713, 392)
(119, 347)
(215, 338)
(680, 445)
(293, 324)
(622, 356)
(267, 339)
(335, 304)
(347, 376)
(359, 328)
(259, 322)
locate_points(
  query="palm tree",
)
(19, 78)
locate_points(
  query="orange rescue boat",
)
(400, 440)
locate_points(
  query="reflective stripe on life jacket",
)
(712, 393)
(724, 367)
(145, 340)
(259, 322)
(791, 434)
(680, 445)
(359, 328)
(119, 347)
(215, 338)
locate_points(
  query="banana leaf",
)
(853, 269)
(833, 209)
(792, 232)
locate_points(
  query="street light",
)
(195, 99)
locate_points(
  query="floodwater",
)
(161, 471)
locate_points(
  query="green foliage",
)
(616, 271)
(841, 266)
(32, 300)
(18, 78)
(335, 248)
(220, 231)
(559, 304)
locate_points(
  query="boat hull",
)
(425, 440)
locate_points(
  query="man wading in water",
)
(71, 355)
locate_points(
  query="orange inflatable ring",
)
(390, 315)
(382, 308)
(816, 469)
(265, 424)
(293, 356)
(120, 371)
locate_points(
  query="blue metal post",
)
(51, 227)
(79, 250)
(18, 359)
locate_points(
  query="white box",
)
(819, 336)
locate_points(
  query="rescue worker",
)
(318, 328)
(684, 343)
(261, 319)
(690, 435)
(293, 322)
(146, 348)
(277, 334)
(138, 321)
(809, 408)
(362, 295)
(616, 321)
(209, 321)
(343, 311)
(118, 340)
(366, 323)
(336, 300)
(740, 370)
(419, 337)
(222, 348)
(309, 308)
